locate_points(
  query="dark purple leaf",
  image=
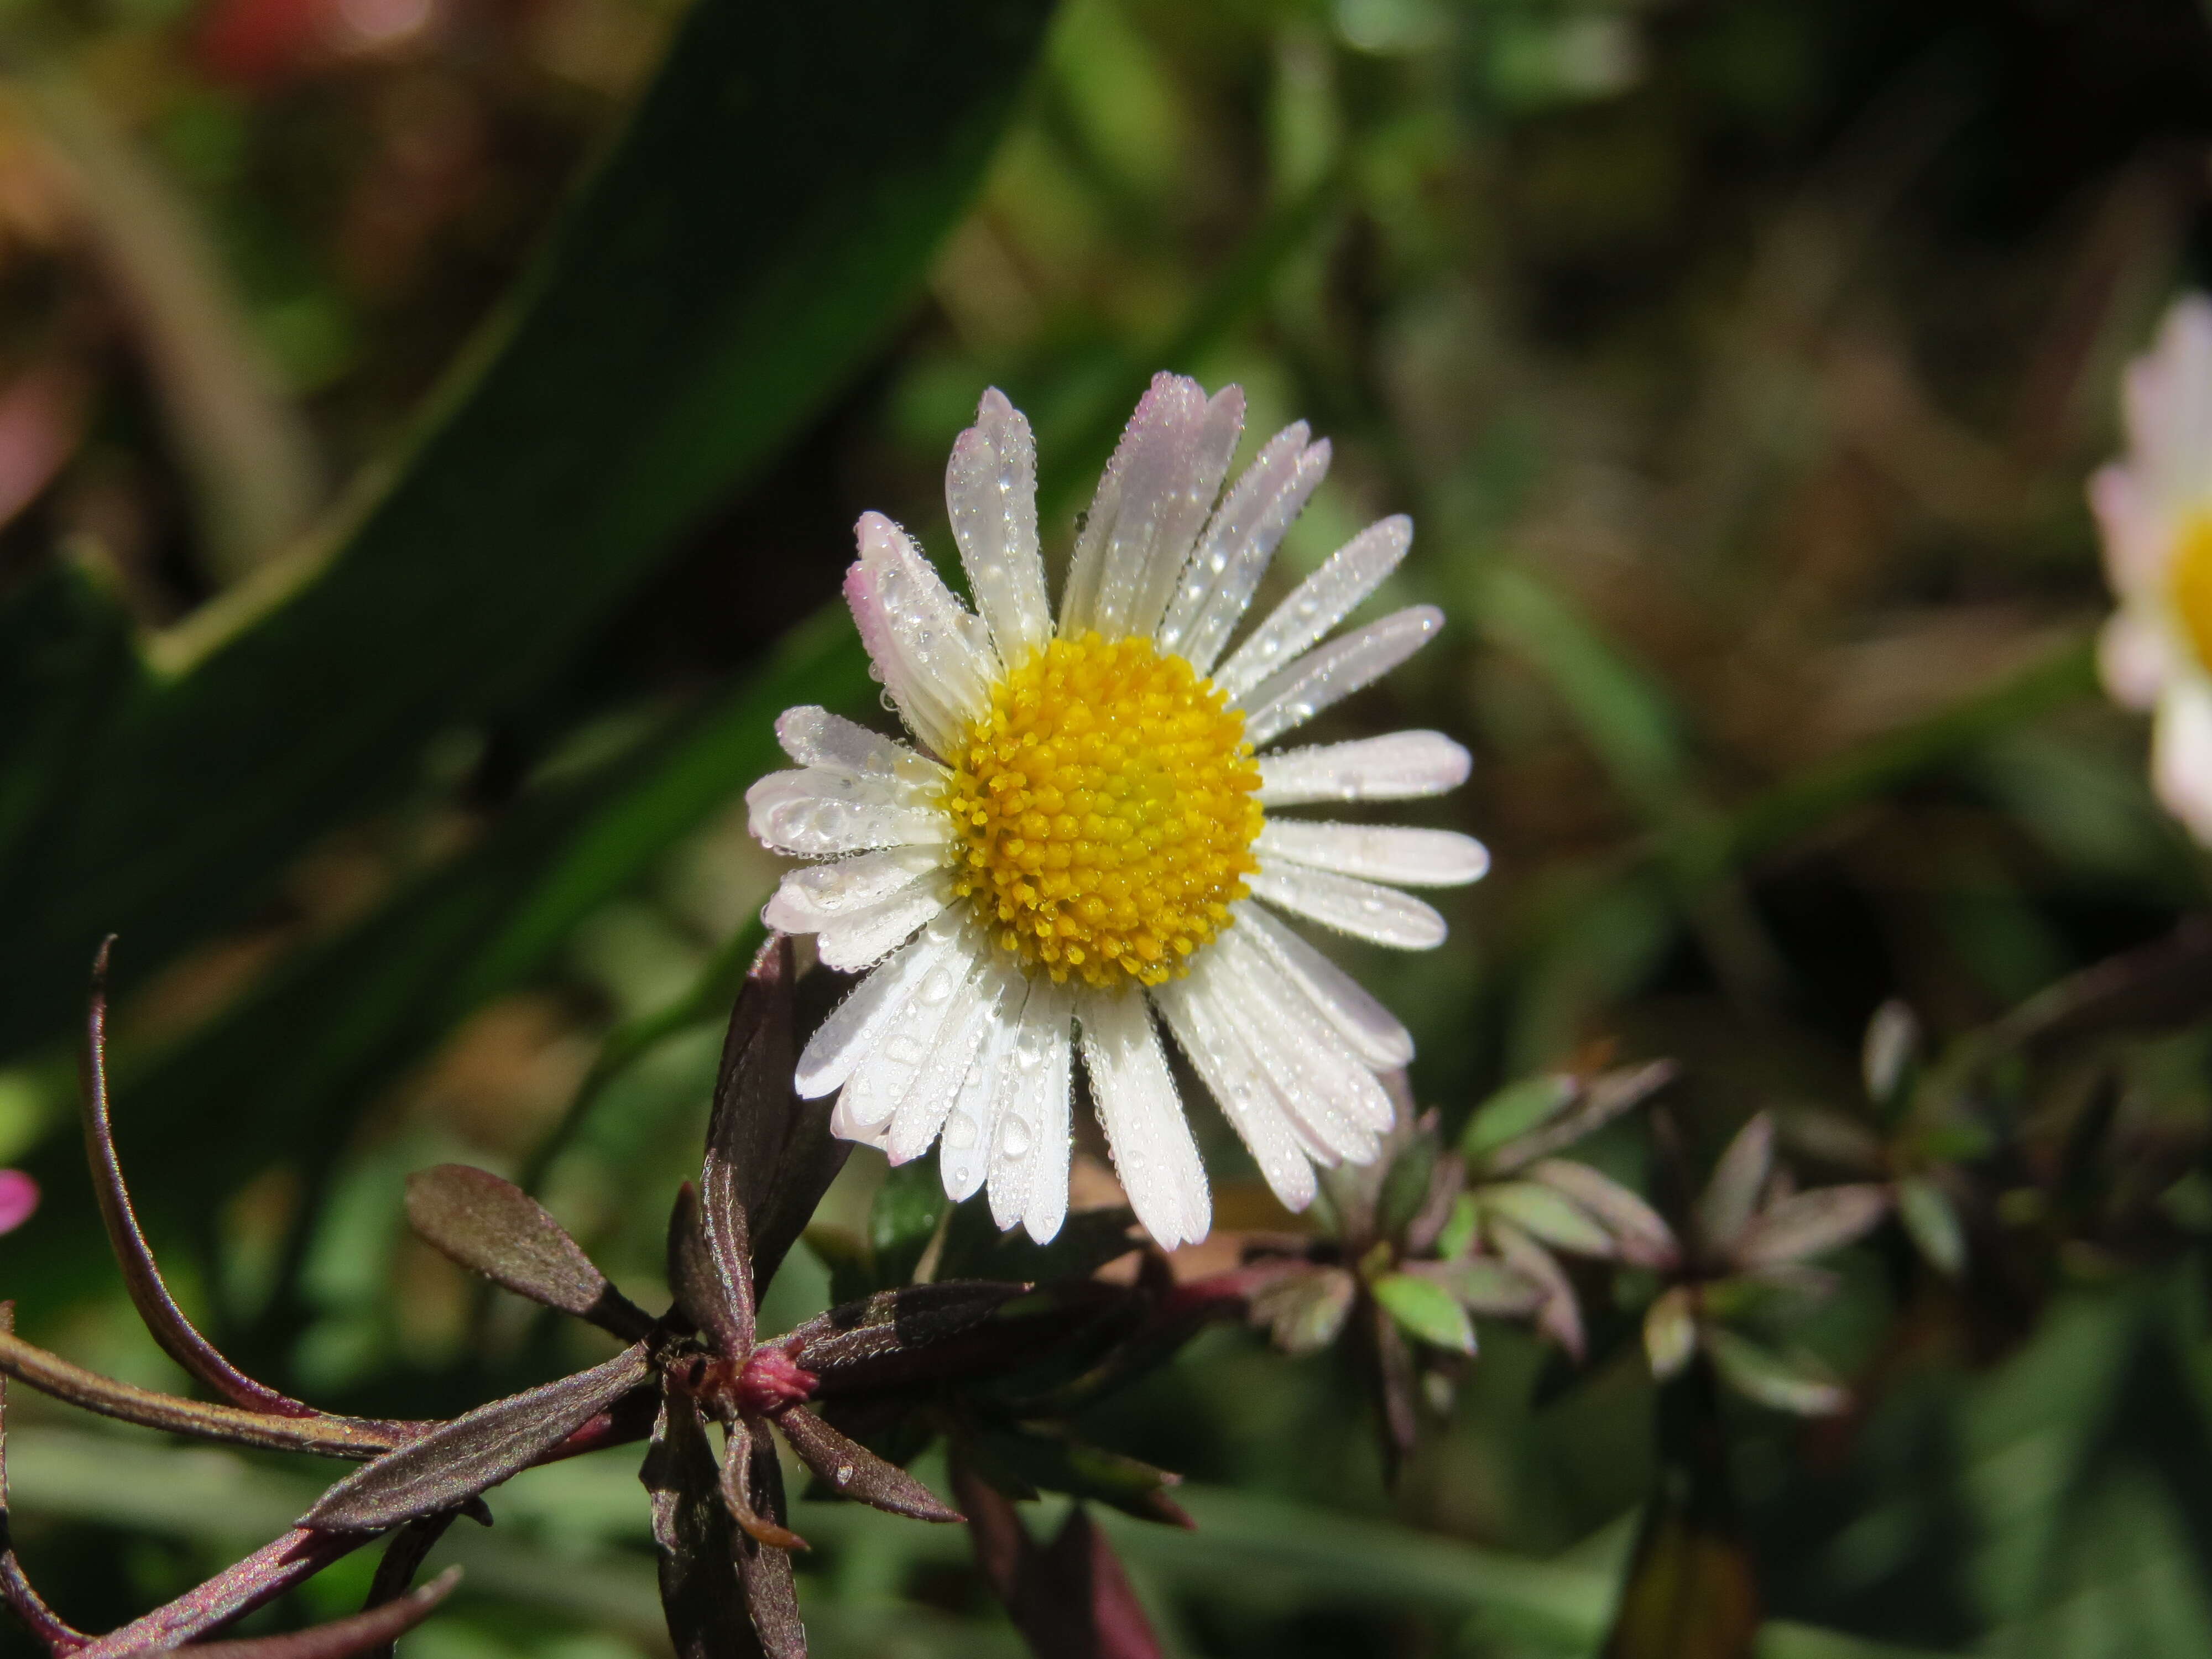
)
(1732, 1192)
(922, 1330)
(1392, 1368)
(1811, 1223)
(260, 1578)
(1304, 1309)
(178, 1338)
(1602, 1099)
(342, 1638)
(1641, 1236)
(763, 1522)
(764, 1553)
(769, 1155)
(329, 1436)
(458, 1460)
(403, 1558)
(491, 1226)
(723, 1312)
(1558, 1316)
(851, 1470)
(812, 1158)
(2161, 984)
(699, 1593)
(15, 1589)
(754, 1107)
(1070, 1600)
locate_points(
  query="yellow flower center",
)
(1104, 812)
(2190, 582)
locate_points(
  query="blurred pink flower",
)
(19, 1197)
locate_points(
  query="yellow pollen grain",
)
(1103, 813)
(2188, 578)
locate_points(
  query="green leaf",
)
(1788, 1383)
(760, 226)
(290, 1070)
(1546, 1213)
(1458, 1237)
(908, 1207)
(1932, 1224)
(1406, 1186)
(1889, 1051)
(1425, 1310)
(1484, 1285)
(1670, 1332)
(975, 1248)
(1515, 1109)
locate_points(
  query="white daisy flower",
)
(1084, 833)
(2154, 508)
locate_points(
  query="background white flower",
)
(1085, 836)
(2155, 508)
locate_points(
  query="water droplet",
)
(960, 1133)
(1014, 1138)
(904, 1049)
(937, 986)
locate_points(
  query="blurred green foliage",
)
(1739, 361)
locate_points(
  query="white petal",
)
(1382, 915)
(1410, 857)
(1339, 1105)
(929, 1099)
(1318, 604)
(2137, 528)
(819, 813)
(2134, 659)
(1151, 501)
(990, 491)
(1217, 583)
(1373, 1033)
(843, 1126)
(1335, 670)
(842, 1041)
(1153, 1152)
(850, 943)
(901, 1057)
(2181, 755)
(935, 659)
(1208, 1035)
(963, 1153)
(1401, 766)
(1044, 1210)
(1035, 1099)
(2167, 398)
(815, 737)
(811, 898)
